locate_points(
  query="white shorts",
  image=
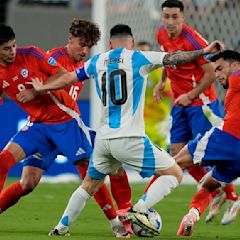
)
(137, 152)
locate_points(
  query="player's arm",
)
(207, 79)
(59, 81)
(182, 57)
(158, 89)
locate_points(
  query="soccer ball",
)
(141, 229)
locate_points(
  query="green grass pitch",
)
(36, 214)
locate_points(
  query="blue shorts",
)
(219, 149)
(67, 138)
(190, 122)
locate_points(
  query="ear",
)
(133, 43)
(70, 37)
(110, 44)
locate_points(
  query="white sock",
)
(195, 213)
(75, 205)
(160, 188)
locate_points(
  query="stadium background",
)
(45, 23)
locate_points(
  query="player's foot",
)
(119, 229)
(215, 206)
(122, 217)
(186, 226)
(141, 219)
(59, 232)
(231, 212)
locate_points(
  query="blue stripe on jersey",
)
(114, 110)
(92, 71)
(138, 61)
(148, 165)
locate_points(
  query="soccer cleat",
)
(141, 219)
(122, 217)
(215, 206)
(119, 229)
(58, 232)
(186, 226)
(231, 212)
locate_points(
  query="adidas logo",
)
(5, 84)
(80, 151)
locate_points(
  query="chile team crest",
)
(24, 73)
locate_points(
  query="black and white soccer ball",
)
(141, 229)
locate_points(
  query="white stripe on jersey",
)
(120, 77)
(74, 115)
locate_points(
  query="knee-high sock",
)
(102, 196)
(160, 188)
(230, 192)
(121, 191)
(201, 200)
(150, 183)
(197, 172)
(10, 195)
(75, 206)
(7, 161)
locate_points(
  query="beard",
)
(226, 86)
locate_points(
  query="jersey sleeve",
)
(84, 72)
(234, 81)
(46, 63)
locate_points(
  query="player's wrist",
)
(190, 98)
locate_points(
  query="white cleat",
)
(231, 212)
(215, 206)
(59, 232)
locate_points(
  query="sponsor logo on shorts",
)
(80, 152)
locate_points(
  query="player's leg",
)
(102, 196)
(33, 168)
(10, 155)
(121, 189)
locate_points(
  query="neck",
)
(70, 54)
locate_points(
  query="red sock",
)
(230, 192)
(201, 200)
(197, 172)
(150, 183)
(121, 191)
(7, 161)
(10, 196)
(102, 197)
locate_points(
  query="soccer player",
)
(217, 147)
(195, 98)
(71, 57)
(120, 77)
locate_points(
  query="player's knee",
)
(28, 184)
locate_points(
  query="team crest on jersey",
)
(52, 62)
(24, 73)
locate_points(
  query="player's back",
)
(120, 84)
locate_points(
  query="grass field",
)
(34, 215)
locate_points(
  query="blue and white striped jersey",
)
(120, 77)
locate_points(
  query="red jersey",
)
(33, 62)
(232, 106)
(61, 55)
(185, 77)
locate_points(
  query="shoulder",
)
(196, 40)
(58, 52)
(31, 51)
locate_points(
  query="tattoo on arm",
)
(182, 57)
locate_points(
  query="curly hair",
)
(88, 32)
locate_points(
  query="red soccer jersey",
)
(61, 55)
(33, 62)
(232, 106)
(185, 77)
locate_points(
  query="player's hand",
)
(214, 47)
(183, 100)
(26, 95)
(158, 91)
(37, 84)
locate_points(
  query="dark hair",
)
(120, 29)
(6, 34)
(227, 55)
(173, 4)
(87, 31)
(141, 43)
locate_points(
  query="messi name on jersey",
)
(113, 61)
